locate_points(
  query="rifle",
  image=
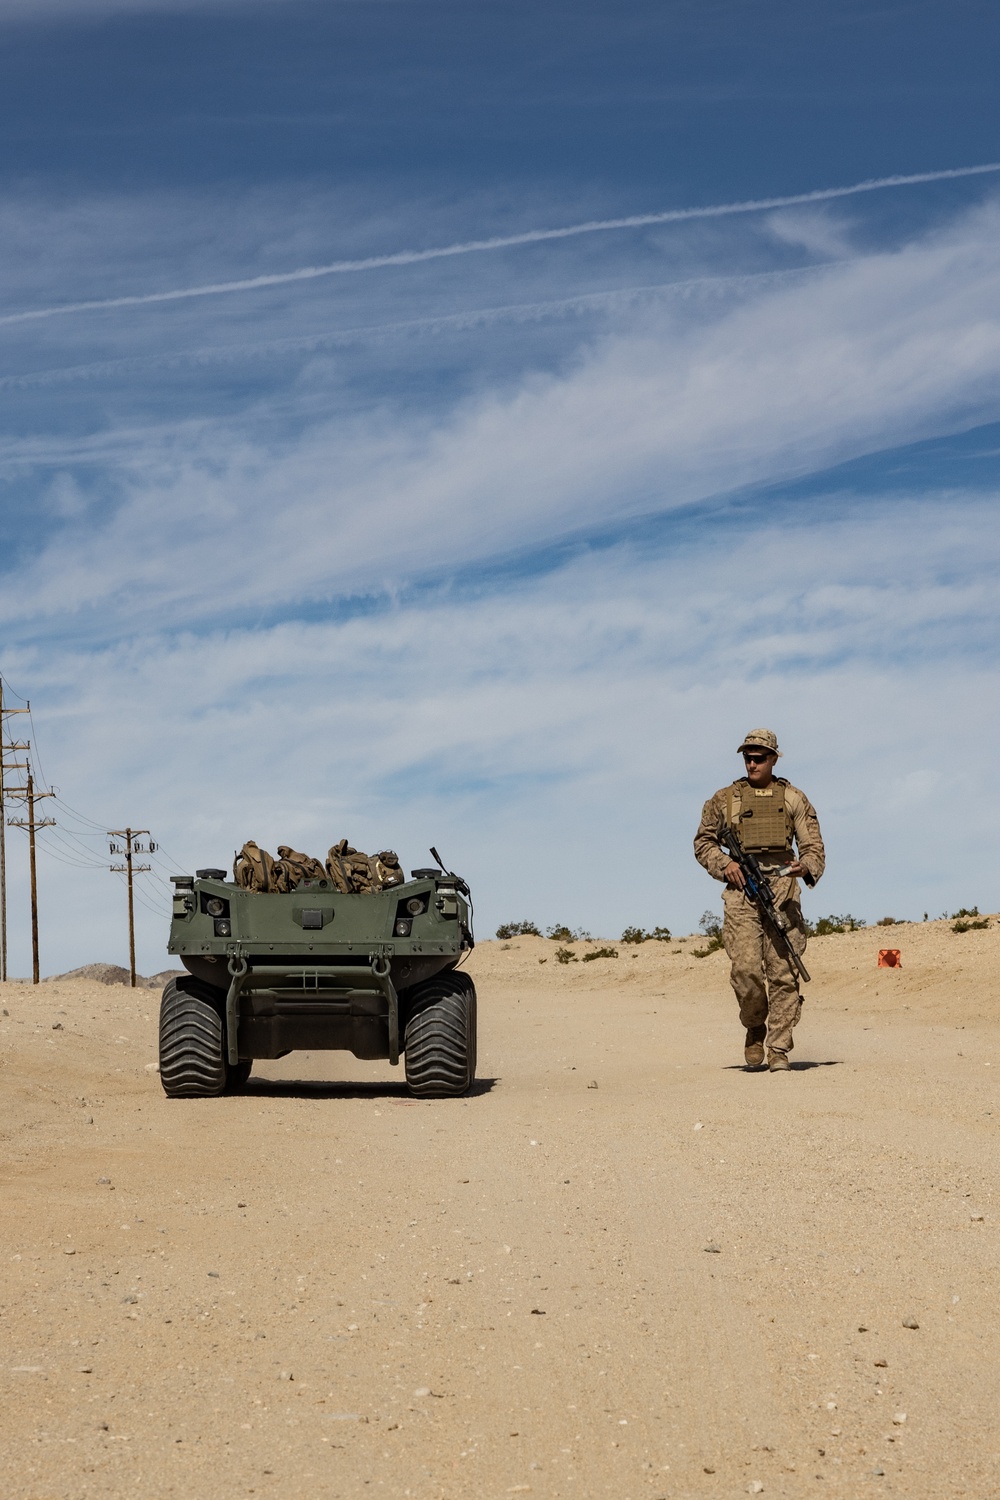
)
(758, 888)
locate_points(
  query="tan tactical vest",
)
(759, 815)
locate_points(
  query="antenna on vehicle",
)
(436, 855)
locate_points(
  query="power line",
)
(62, 859)
(7, 747)
(99, 828)
(78, 851)
(142, 900)
(132, 847)
(32, 824)
(71, 846)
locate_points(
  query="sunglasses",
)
(757, 760)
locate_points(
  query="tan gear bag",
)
(386, 870)
(349, 869)
(291, 868)
(253, 868)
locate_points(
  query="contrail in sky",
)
(478, 317)
(498, 242)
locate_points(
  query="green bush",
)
(517, 929)
(634, 935)
(661, 934)
(561, 934)
(710, 925)
(966, 911)
(565, 956)
(829, 924)
(713, 947)
(887, 922)
(970, 926)
(600, 953)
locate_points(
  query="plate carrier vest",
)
(759, 815)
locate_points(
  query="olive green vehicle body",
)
(313, 969)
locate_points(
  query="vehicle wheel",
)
(238, 1076)
(440, 1039)
(192, 1055)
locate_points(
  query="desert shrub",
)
(634, 935)
(561, 934)
(711, 947)
(600, 953)
(517, 929)
(970, 926)
(887, 922)
(829, 924)
(966, 911)
(712, 928)
(565, 956)
(661, 934)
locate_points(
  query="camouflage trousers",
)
(762, 978)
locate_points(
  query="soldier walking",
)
(778, 824)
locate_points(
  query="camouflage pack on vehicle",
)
(310, 966)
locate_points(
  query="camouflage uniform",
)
(762, 978)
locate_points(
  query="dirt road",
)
(624, 1268)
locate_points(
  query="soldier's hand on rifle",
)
(734, 875)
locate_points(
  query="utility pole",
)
(128, 868)
(6, 748)
(32, 824)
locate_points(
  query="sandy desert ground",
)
(625, 1267)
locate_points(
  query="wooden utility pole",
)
(128, 868)
(32, 824)
(6, 748)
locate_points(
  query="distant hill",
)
(115, 974)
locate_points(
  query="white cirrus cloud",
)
(556, 736)
(881, 350)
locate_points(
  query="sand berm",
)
(624, 1267)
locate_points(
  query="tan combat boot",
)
(778, 1062)
(753, 1049)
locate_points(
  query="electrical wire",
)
(70, 847)
(63, 857)
(139, 896)
(101, 828)
(8, 684)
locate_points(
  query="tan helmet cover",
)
(760, 739)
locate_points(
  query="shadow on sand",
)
(802, 1066)
(322, 1088)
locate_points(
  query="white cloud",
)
(818, 231)
(810, 228)
(556, 739)
(862, 356)
(554, 736)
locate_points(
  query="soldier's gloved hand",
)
(733, 875)
(795, 868)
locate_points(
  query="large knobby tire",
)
(192, 1050)
(440, 1038)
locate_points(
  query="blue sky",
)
(501, 550)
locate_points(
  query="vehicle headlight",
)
(415, 905)
(215, 906)
(402, 928)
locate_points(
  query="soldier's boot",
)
(777, 1062)
(753, 1050)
